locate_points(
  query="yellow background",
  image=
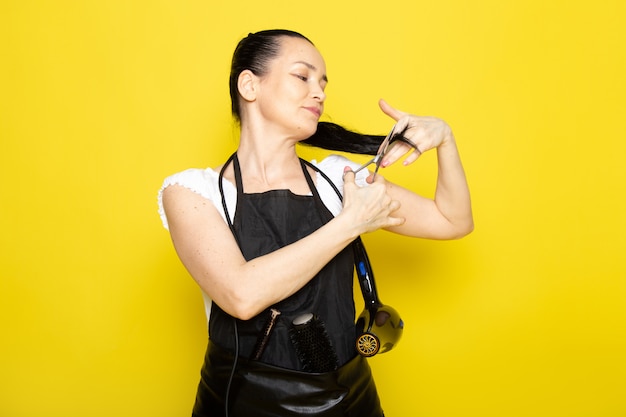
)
(100, 100)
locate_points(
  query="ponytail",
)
(336, 138)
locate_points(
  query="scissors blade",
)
(365, 165)
(378, 159)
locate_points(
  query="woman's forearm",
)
(452, 195)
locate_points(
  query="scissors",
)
(379, 155)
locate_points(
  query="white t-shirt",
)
(205, 183)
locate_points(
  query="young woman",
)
(267, 238)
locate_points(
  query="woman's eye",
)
(302, 77)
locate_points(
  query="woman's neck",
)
(270, 163)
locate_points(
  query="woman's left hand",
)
(449, 214)
(424, 133)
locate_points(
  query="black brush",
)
(312, 344)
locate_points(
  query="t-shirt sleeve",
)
(333, 167)
(203, 182)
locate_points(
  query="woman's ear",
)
(246, 84)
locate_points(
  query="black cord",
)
(232, 372)
(232, 228)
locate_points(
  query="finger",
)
(411, 155)
(396, 221)
(396, 152)
(411, 158)
(394, 205)
(402, 125)
(374, 178)
(390, 111)
(348, 175)
(378, 178)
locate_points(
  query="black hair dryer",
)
(379, 327)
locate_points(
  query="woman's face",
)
(291, 94)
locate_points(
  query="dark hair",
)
(334, 137)
(254, 52)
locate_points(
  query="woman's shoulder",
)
(199, 180)
(333, 166)
(202, 181)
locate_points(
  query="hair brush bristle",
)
(313, 345)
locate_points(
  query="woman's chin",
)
(306, 131)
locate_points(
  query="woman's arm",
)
(449, 214)
(243, 288)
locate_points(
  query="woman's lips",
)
(315, 110)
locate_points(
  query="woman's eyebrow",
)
(311, 67)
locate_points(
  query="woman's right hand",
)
(369, 208)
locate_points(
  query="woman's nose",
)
(319, 94)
